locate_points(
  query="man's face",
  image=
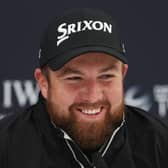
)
(85, 98)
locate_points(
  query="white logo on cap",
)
(67, 29)
(39, 54)
(123, 47)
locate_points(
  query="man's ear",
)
(42, 81)
(124, 70)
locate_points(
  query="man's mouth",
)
(92, 111)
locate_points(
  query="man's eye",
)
(74, 78)
(106, 76)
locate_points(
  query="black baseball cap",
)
(80, 31)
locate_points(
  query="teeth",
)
(93, 111)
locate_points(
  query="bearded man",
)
(80, 119)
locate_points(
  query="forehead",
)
(93, 58)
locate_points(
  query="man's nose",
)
(91, 91)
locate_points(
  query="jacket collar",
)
(46, 127)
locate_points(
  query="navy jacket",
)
(29, 140)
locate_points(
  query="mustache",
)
(95, 105)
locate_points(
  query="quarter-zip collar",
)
(74, 147)
(47, 127)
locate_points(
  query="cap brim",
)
(58, 61)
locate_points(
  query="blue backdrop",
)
(143, 25)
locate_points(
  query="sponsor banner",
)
(154, 101)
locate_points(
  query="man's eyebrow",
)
(111, 67)
(68, 70)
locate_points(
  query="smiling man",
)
(81, 120)
(85, 97)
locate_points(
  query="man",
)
(80, 120)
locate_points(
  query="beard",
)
(88, 134)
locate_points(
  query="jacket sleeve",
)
(163, 149)
(3, 148)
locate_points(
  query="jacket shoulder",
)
(16, 126)
(146, 121)
(10, 127)
(147, 134)
(14, 120)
